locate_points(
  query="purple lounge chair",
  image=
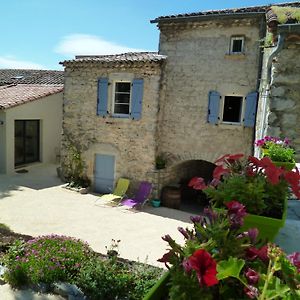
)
(141, 196)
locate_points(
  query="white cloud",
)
(85, 44)
(10, 62)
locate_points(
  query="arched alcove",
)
(181, 174)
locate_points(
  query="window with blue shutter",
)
(102, 97)
(213, 107)
(137, 98)
(250, 110)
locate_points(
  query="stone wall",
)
(283, 96)
(198, 62)
(133, 142)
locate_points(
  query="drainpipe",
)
(277, 49)
(265, 93)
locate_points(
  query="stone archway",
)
(180, 175)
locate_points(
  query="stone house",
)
(30, 117)
(193, 101)
(278, 111)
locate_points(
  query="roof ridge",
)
(225, 11)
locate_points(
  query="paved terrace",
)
(36, 203)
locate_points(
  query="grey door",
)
(104, 173)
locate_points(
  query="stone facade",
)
(279, 104)
(175, 103)
(198, 62)
(132, 142)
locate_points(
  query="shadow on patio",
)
(35, 177)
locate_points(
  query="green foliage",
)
(230, 268)
(242, 269)
(250, 191)
(279, 153)
(45, 259)
(160, 162)
(186, 287)
(286, 13)
(3, 226)
(74, 168)
(109, 279)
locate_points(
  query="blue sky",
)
(39, 34)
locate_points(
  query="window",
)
(237, 45)
(232, 109)
(122, 98)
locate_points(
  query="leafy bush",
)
(279, 153)
(45, 259)
(257, 183)
(110, 279)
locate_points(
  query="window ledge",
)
(235, 56)
(120, 116)
(231, 125)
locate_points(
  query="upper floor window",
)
(121, 101)
(120, 98)
(237, 44)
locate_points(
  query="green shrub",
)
(110, 279)
(45, 259)
(279, 153)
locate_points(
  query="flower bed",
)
(47, 261)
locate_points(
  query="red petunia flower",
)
(219, 171)
(293, 178)
(262, 253)
(230, 158)
(205, 267)
(197, 183)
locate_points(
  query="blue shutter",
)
(250, 110)
(137, 98)
(102, 97)
(213, 107)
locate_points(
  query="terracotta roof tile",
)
(24, 76)
(13, 95)
(130, 57)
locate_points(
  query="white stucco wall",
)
(49, 111)
(2, 143)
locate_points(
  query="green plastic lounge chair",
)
(118, 193)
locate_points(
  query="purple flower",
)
(196, 219)
(294, 258)
(167, 238)
(253, 233)
(212, 216)
(187, 265)
(236, 214)
(251, 291)
(252, 276)
(184, 232)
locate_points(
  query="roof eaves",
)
(184, 18)
(288, 28)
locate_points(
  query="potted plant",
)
(278, 150)
(258, 184)
(217, 261)
(160, 162)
